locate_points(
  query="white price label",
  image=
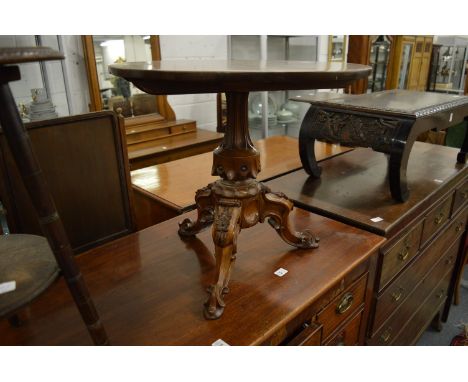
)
(9, 286)
(281, 272)
(377, 219)
(438, 181)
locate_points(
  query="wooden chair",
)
(84, 161)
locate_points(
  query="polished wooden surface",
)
(214, 76)
(150, 286)
(171, 148)
(84, 161)
(177, 181)
(353, 187)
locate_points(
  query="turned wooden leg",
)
(226, 228)
(307, 148)
(276, 207)
(461, 157)
(397, 165)
(205, 208)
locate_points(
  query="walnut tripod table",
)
(237, 201)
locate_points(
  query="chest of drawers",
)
(149, 288)
(416, 267)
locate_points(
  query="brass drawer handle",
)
(459, 227)
(397, 295)
(345, 303)
(403, 255)
(439, 218)
(386, 335)
(464, 194)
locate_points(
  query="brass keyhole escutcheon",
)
(459, 227)
(441, 293)
(397, 295)
(345, 303)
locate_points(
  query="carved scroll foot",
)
(205, 208)
(307, 153)
(226, 228)
(275, 206)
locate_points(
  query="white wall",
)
(74, 67)
(199, 107)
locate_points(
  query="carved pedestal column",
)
(238, 201)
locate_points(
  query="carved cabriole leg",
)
(226, 228)
(276, 207)
(205, 208)
(461, 157)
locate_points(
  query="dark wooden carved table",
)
(237, 200)
(387, 121)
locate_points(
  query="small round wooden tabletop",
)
(28, 54)
(29, 262)
(215, 76)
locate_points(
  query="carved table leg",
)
(205, 208)
(461, 157)
(307, 146)
(397, 165)
(237, 201)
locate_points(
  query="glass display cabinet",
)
(43, 91)
(337, 48)
(448, 69)
(271, 113)
(378, 59)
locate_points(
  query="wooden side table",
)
(387, 121)
(237, 201)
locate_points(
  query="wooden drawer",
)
(179, 129)
(400, 255)
(460, 197)
(398, 290)
(423, 317)
(311, 335)
(400, 317)
(436, 219)
(349, 334)
(342, 307)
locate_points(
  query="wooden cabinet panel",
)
(400, 255)
(436, 219)
(311, 335)
(343, 306)
(349, 334)
(461, 196)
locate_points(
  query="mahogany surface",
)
(354, 188)
(217, 76)
(149, 286)
(171, 148)
(177, 181)
(28, 54)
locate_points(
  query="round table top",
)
(29, 262)
(215, 76)
(28, 54)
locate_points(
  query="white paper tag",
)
(219, 342)
(281, 272)
(438, 181)
(451, 116)
(377, 219)
(9, 286)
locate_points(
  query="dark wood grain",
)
(353, 187)
(84, 161)
(28, 54)
(150, 286)
(216, 76)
